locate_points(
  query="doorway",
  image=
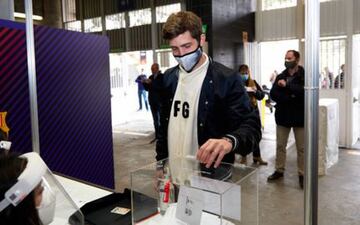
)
(355, 89)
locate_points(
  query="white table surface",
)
(80, 193)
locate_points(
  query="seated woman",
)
(25, 213)
(28, 193)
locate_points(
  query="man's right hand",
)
(282, 83)
(250, 89)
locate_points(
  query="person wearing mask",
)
(205, 110)
(152, 85)
(339, 80)
(141, 90)
(28, 192)
(25, 213)
(288, 93)
(255, 94)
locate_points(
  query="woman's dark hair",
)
(180, 22)
(243, 66)
(11, 166)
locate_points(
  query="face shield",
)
(53, 203)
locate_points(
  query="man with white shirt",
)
(205, 109)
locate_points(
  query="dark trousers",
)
(142, 95)
(155, 111)
(256, 152)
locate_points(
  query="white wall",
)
(356, 87)
(7, 9)
(332, 18)
(339, 94)
(272, 56)
(277, 24)
(280, 24)
(356, 16)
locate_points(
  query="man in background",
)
(141, 90)
(152, 85)
(339, 80)
(288, 93)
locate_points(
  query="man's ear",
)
(202, 39)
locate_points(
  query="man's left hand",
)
(250, 89)
(213, 149)
(146, 81)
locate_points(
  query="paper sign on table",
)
(190, 205)
(231, 196)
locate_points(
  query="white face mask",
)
(189, 60)
(47, 206)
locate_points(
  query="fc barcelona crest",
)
(3, 125)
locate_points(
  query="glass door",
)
(355, 89)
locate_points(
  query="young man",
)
(205, 109)
(288, 93)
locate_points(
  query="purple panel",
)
(12, 25)
(14, 86)
(73, 101)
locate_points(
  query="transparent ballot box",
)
(183, 191)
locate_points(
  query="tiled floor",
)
(280, 203)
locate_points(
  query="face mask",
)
(189, 60)
(244, 77)
(47, 206)
(290, 64)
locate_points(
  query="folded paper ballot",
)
(6, 145)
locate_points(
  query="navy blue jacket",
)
(154, 89)
(290, 100)
(224, 109)
(139, 81)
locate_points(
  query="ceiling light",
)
(22, 15)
